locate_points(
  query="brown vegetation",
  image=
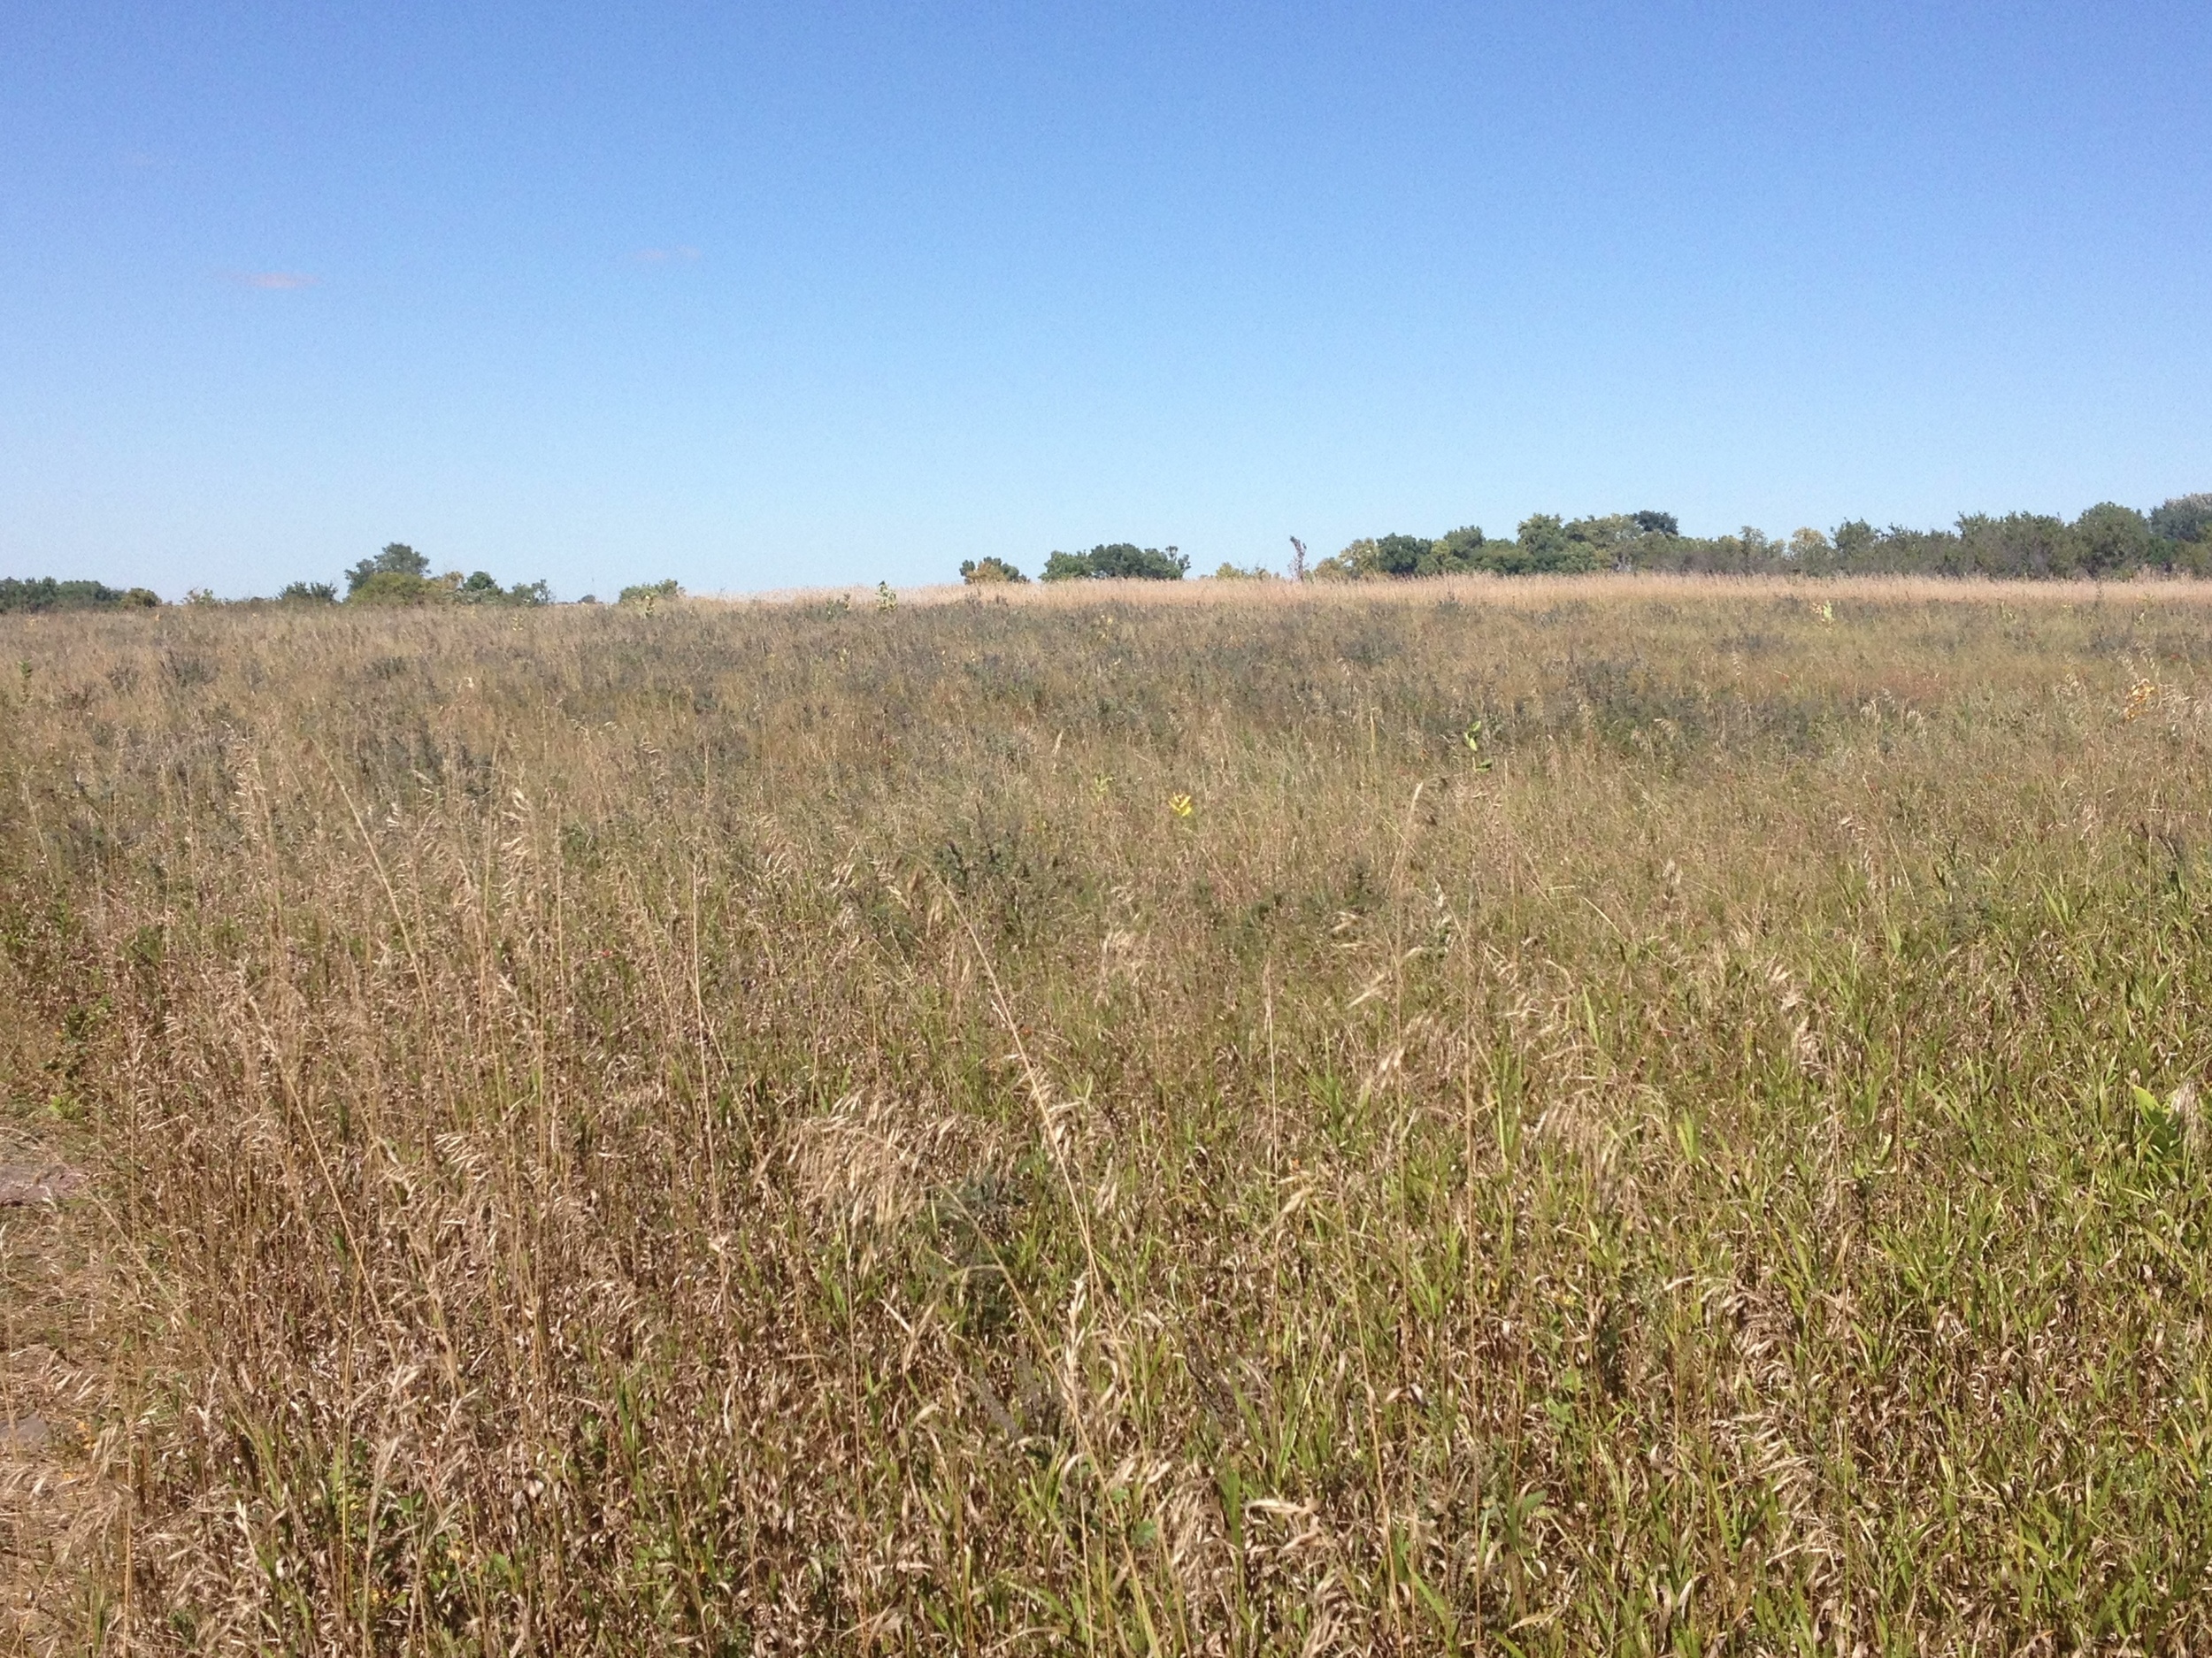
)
(1607, 1116)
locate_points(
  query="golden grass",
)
(1627, 1117)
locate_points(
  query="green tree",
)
(982, 571)
(397, 559)
(2018, 544)
(2184, 520)
(1853, 540)
(1461, 549)
(1375, 558)
(1542, 546)
(1117, 561)
(44, 593)
(2112, 539)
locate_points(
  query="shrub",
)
(308, 592)
(646, 595)
(978, 572)
(397, 587)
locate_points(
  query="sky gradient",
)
(763, 297)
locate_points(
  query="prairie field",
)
(1615, 1114)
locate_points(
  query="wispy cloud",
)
(665, 256)
(275, 280)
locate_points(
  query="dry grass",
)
(759, 1129)
(1521, 592)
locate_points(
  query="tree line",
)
(2106, 540)
(44, 593)
(400, 575)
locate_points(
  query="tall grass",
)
(1635, 1117)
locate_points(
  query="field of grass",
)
(1624, 1116)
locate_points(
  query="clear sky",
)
(758, 297)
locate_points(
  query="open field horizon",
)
(1517, 592)
(1499, 1114)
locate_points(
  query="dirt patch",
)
(24, 1183)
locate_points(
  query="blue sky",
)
(764, 297)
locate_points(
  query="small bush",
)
(983, 571)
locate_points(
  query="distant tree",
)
(1544, 548)
(479, 589)
(2184, 520)
(307, 592)
(1808, 547)
(1397, 555)
(978, 572)
(1297, 559)
(2112, 539)
(646, 595)
(2108, 539)
(1356, 563)
(1610, 537)
(397, 559)
(1457, 551)
(397, 575)
(1541, 535)
(1385, 555)
(1237, 572)
(2018, 544)
(44, 593)
(1117, 561)
(1853, 542)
